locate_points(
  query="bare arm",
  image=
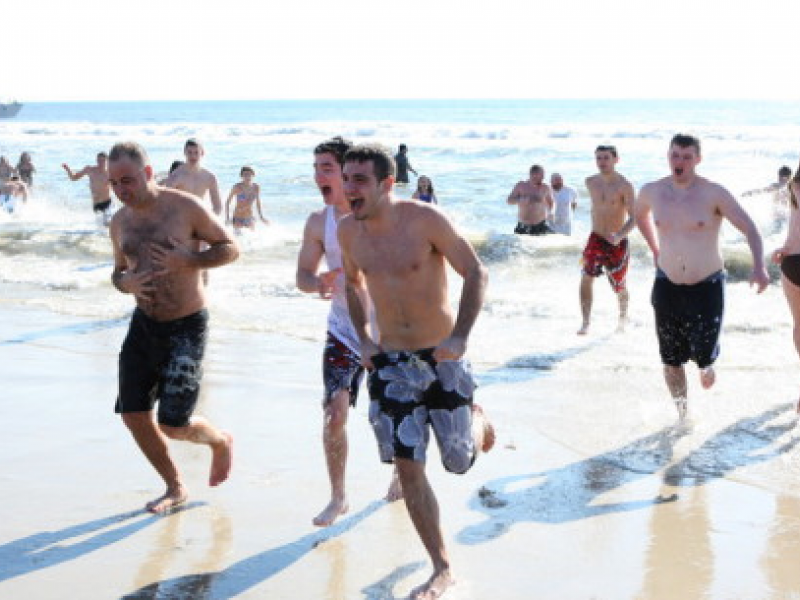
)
(644, 220)
(513, 197)
(228, 204)
(738, 217)
(550, 202)
(213, 191)
(629, 207)
(258, 204)
(461, 256)
(308, 260)
(74, 176)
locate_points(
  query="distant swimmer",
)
(419, 378)
(192, 177)
(566, 201)
(25, 168)
(6, 170)
(779, 191)
(607, 248)
(246, 193)
(688, 293)
(403, 165)
(788, 257)
(534, 201)
(98, 185)
(156, 239)
(10, 191)
(424, 191)
(342, 371)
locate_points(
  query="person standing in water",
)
(342, 371)
(534, 201)
(788, 257)
(156, 239)
(98, 185)
(192, 177)
(680, 217)
(566, 201)
(247, 193)
(424, 191)
(403, 165)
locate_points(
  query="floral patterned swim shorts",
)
(408, 390)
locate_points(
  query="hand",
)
(760, 278)
(368, 350)
(452, 348)
(167, 259)
(138, 284)
(327, 283)
(778, 255)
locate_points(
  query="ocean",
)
(55, 257)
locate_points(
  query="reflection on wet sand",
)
(780, 557)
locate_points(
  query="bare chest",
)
(397, 257)
(675, 213)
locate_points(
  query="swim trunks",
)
(7, 202)
(538, 229)
(162, 360)
(689, 319)
(341, 369)
(790, 267)
(408, 390)
(102, 206)
(243, 221)
(600, 255)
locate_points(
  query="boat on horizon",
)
(9, 109)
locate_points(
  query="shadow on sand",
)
(50, 548)
(249, 572)
(570, 492)
(76, 329)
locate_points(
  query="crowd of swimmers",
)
(381, 262)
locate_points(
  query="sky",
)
(93, 50)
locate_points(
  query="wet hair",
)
(244, 170)
(536, 169)
(430, 188)
(193, 143)
(606, 148)
(174, 166)
(102, 155)
(403, 148)
(785, 171)
(336, 146)
(130, 149)
(383, 164)
(684, 140)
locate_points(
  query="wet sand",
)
(590, 493)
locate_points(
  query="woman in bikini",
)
(425, 191)
(246, 193)
(788, 257)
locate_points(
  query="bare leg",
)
(707, 377)
(153, 444)
(482, 429)
(424, 512)
(395, 491)
(622, 298)
(334, 440)
(792, 293)
(200, 431)
(676, 382)
(586, 302)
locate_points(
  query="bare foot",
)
(707, 377)
(222, 457)
(395, 491)
(584, 329)
(435, 587)
(336, 507)
(489, 436)
(171, 498)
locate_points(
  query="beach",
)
(593, 491)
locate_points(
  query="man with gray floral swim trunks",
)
(399, 250)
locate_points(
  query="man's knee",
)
(459, 458)
(336, 410)
(138, 420)
(173, 433)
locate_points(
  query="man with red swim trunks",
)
(612, 221)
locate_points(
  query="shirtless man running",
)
(193, 178)
(399, 250)
(98, 185)
(10, 190)
(155, 237)
(535, 203)
(341, 360)
(607, 247)
(688, 292)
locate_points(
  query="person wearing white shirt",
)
(566, 199)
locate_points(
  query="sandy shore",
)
(593, 500)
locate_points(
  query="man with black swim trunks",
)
(156, 238)
(399, 251)
(688, 293)
(98, 185)
(534, 201)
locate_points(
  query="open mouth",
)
(325, 190)
(679, 171)
(356, 203)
